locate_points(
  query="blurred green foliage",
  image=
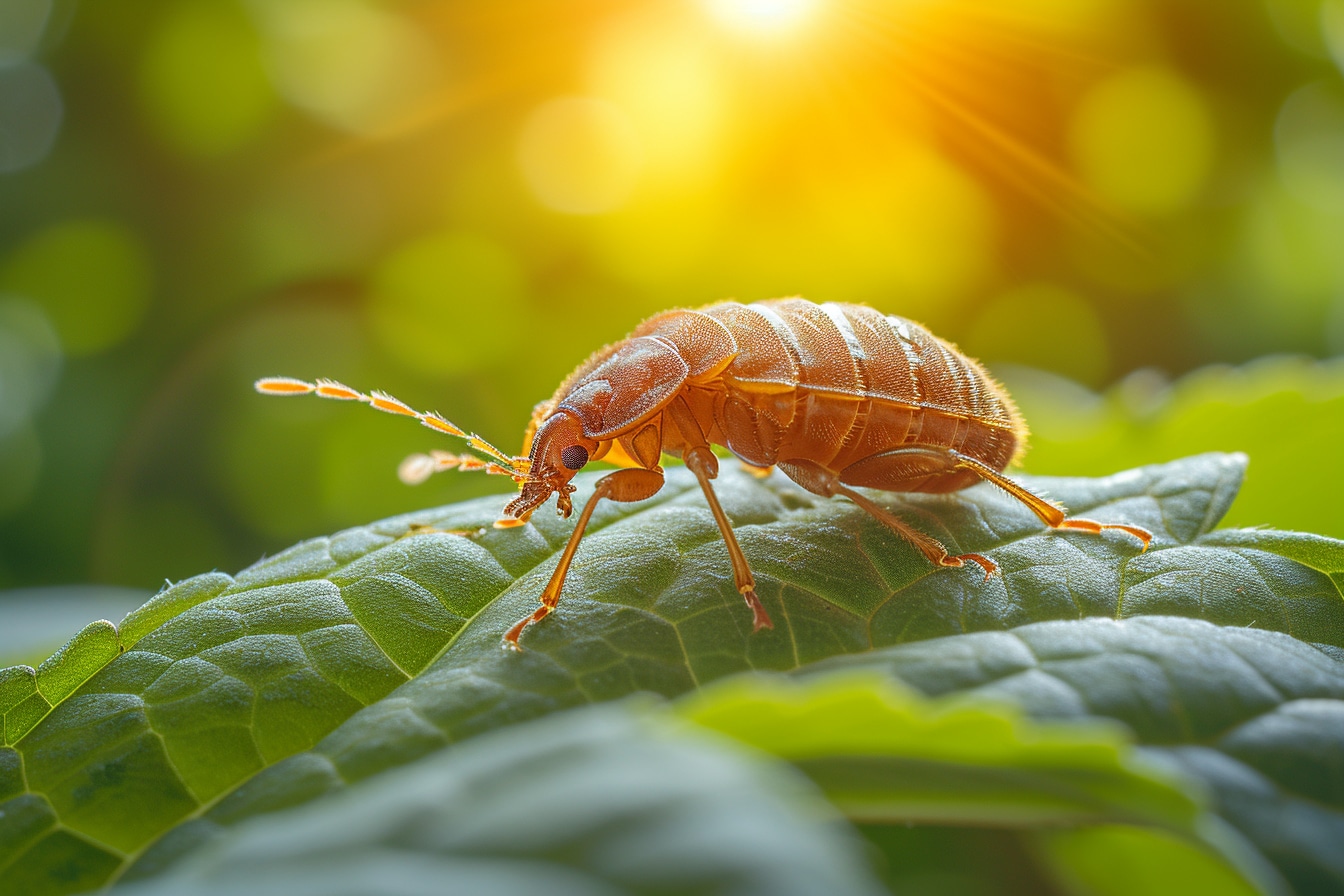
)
(1287, 414)
(458, 201)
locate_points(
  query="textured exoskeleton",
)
(836, 396)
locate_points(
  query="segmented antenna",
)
(418, 467)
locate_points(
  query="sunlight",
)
(761, 17)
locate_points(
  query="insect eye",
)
(574, 457)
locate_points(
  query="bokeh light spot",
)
(1144, 140)
(349, 63)
(30, 116)
(761, 17)
(1332, 29)
(660, 72)
(579, 155)
(1309, 144)
(448, 302)
(21, 25)
(1044, 326)
(1297, 22)
(202, 81)
(1291, 251)
(30, 362)
(92, 277)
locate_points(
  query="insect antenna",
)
(418, 467)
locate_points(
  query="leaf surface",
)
(225, 697)
(599, 800)
(1257, 716)
(619, 798)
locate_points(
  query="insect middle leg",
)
(705, 466)
(821, 481)
(623, 485)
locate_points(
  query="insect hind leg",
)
(898, 463)
(1049, 513)
(821, 481)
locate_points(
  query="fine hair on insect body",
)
(836, 396)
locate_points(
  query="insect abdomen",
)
(837, 383)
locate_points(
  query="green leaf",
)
(1257, 716)
(887, 756)
(348, 655)
(1120, 861)
(613, 799)
(621, 797)
(883, 754)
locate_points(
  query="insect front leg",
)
(821, 481)
(702, 462)
(623, 485)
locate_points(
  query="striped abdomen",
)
(835, 383)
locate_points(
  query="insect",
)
(838, 397)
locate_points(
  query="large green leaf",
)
(969, 763)
(621, 799)
(367, 649)
(599, 800)
(1255, 715)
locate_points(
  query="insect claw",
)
(759, 617)
(989, 566)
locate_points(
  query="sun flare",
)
(761, 17)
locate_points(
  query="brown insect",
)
(836, 396)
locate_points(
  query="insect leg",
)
(819, 480)
(623, 485)
(1050, 514)
(702, 462)
(903, 466)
